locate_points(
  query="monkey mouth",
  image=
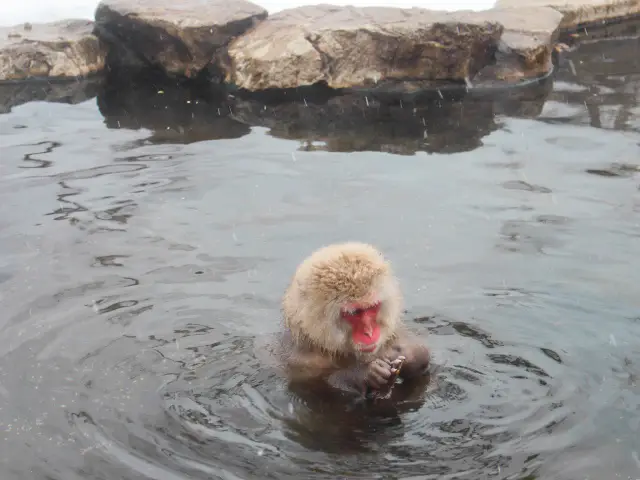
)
(366, 348)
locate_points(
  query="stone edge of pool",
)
(380, 50)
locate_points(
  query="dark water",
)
(143, 251)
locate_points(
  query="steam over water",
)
(144, 247)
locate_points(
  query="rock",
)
(526, 46)
(180, 37)
(348, 47)
(64, 49)
(581, 13)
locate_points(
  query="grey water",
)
(144, 250)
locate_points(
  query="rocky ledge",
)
(582, 13)
(379, 50)
(66, 49)
(401, 49)
(181, 38)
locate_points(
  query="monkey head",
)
(344, 299)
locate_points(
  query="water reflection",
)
(598, 85)
(13, 95)
(615, 170)
(353, 123)
(67, 207)
(320, 120)
(176, 113)
(48, 147)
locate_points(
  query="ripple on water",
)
(202, 404)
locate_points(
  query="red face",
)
(365, 331)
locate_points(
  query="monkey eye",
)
(357, 312)
(352, 312)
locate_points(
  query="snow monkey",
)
(342, 313)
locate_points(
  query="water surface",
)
(141, 259)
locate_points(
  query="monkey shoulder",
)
(304, 362)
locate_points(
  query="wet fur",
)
(317, 342)
(329, 278)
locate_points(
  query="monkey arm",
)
(306, 366)
(301, 363)
(419, 359)
(352, 380)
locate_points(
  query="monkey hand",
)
(417, 358)
(381, 372)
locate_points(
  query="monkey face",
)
(373, 318)
(361, 307)
(344, 299)
(365, 329)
